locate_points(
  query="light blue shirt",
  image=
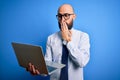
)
(79, 53)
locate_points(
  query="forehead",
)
(65, 9)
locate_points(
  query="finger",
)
(66, 27)
(70, 33)
(33, 69)
(63, 26)
(30, 67)
(37, 72)
(29, 64)
(27, 68)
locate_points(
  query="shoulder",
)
(79, 32)
(54, 35)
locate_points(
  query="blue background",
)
(32, 21)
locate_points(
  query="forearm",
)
(79, 54)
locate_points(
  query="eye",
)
(60, 15)
(66, 15)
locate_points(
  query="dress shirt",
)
(78, 57)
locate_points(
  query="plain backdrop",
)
(32, 21)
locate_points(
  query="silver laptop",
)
(26, 53)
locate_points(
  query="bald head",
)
(66, 15)
(66, 8)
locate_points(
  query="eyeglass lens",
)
(66, 16)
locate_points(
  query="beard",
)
(69, 25)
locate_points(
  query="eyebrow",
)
(65, 13)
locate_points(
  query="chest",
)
(56, 50)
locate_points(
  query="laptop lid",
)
(26, 53)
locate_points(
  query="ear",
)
(74, 16)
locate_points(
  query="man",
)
(68, 46)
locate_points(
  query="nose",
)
(62, 19)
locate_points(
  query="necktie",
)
(64, 71)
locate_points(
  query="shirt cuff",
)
(65, 42)
(71, 46)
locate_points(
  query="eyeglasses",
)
(66, 16)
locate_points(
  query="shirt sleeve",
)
(48, 55)
(80, 54)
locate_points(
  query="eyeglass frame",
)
(59, 16)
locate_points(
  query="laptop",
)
(26, 53)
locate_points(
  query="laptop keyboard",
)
(50, 68)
